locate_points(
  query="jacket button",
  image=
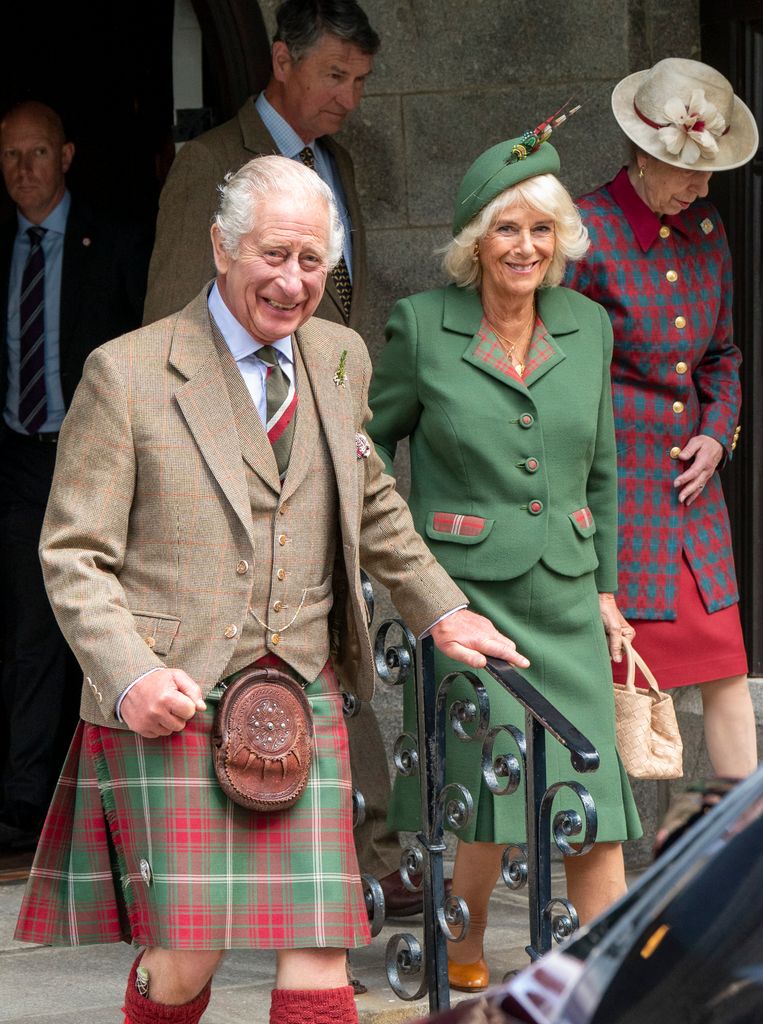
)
(242, 567)
(277, 606)
(675, 451)
(230, 631)
(681, 367)
(275, 639)
(531, 465)
(664, 231)
(526, 420)
(680, 322)
(678, 408)
(671, 276)
(281, 574)
(150, 642)
(283, 509)
(535, 507)
(282, 539)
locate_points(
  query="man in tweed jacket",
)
(175, 555)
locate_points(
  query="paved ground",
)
(41, 985)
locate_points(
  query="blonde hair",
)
(544, 193)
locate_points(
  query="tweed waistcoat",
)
(292, 590)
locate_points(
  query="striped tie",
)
(340, 273)
(33, 402)
(282, 407)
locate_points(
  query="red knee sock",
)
(313, 1006)
(140, 1009)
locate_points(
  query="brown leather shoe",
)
(399, 901)
(469, 977)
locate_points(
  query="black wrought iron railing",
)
(416, 968)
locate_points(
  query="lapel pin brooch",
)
(362, 446)
(706, 225)
(340, 377)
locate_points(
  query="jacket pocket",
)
(583, 522)
(157, 630)
(457, 527)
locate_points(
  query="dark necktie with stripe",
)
(340, 273)
(33, 401)
(281, 398)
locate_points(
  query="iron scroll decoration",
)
(415, 969)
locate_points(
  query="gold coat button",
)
(671, 276)
(283, 509)
(678, 407)
(664, 231)
(275, 639)
(242, 567)
(680, 322)
(150, 642)
(282, 539)
(281, 574)
(230, 631)
(675, 451)
(277, 606)
(681, 367)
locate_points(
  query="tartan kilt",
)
(140, 844)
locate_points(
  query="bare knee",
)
(311, 968)
(178, 975)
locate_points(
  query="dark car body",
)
(685, 946)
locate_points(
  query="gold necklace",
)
(509, 346)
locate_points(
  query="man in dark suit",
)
(70, 281)
(322, 56)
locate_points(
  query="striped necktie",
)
(340, 273)
(281, 396)
(33, 401)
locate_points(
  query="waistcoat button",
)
(680, 322)
(535, 507)
(281, 574)
(678, 408)
(681, 367)
(675, 451)
(242, 567)
(231, 631)
(275, 639)
(282, 539)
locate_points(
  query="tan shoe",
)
(468, 977)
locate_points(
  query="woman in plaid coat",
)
(660, 265)
(501, 382)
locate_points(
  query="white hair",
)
(544, 193)
(265, 176)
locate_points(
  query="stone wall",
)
(454, 77)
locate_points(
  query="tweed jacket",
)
(503, 474)
(182, 258)
(150, 514)
(103, 281)
(667, 287)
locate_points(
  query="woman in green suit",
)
(501, 382)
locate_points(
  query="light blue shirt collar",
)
(284, 136)
(237, 338)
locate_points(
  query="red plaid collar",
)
(646, 224)
(490, 350)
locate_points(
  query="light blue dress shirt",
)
(290, 144)
(53, 250)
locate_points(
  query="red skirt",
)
(695, 647)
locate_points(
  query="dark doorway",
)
(107, 69)
(732, 41)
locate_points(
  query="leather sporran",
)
(648, 739)
(262, 740)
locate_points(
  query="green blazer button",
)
(535, 508)
(526, 420)
(531, 465)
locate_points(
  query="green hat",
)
(497, 169)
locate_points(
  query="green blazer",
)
(532, 468)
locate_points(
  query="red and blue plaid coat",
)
(667, 286)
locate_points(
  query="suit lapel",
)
(77, 255)
(334, 406)
(306, 430)
(205, 404)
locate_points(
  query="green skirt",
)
(554, 621)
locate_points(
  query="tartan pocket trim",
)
(583, 521)
(157, 630)
(457, 527)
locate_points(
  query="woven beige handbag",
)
(648, 739)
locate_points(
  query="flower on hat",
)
(693, 129)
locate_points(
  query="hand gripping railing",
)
(523, 864)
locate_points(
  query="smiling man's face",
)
(276, 281)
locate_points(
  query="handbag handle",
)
(633, 658)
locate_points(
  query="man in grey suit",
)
(322, 56)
